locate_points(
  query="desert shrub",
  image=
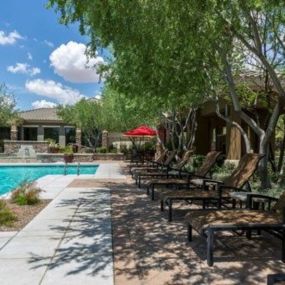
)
(26, 194)
(194, 163)
(101, 150)
(68, 150)
(7, 217)
(220, 173)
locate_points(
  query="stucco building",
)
(39, 125)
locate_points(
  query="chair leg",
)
(248, 234)
(234, 203)
(170, 210)
(189, 232)
(139, 181)
(152, 192)
(161, 205)
(283, 245)
(147, 190)
(204, 204)
(210, 247)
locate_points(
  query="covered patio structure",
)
(38, 126)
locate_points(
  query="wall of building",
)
(12, 147)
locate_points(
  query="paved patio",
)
(150, 251)
(73, 241)
(70, 241)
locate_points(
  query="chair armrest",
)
(268, 199)
(210, 180)
(235, 189)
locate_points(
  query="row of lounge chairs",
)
(218, 199)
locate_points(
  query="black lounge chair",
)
(214, 192)
(209, 222)
(167, 170)
(150, 164)
(275, 279)
(189, 178)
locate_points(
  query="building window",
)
(70, 135)
(30, 134)
(4, 133)
(51, 134)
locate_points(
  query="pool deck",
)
(103, 230)
(70, 241)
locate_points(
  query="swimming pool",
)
(12, 176)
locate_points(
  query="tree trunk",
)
(263, 169)
(281, 155)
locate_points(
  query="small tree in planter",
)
(68, 154)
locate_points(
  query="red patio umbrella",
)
(141, 131)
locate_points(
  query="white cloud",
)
(43, 104)
(24, 68)
(49, 44)
(29, 55)
(54, 90)
(9, 39)
(70, 61)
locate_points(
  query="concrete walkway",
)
(69, 242)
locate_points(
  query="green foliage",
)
(7, 107)
(101, 150)
(68, 150)
(87, 115)
(221, 172)
(154, 55)
(7, 217)
(26, 194)
(121, 112)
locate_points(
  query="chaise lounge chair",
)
(219, 192)
(166, 171)
(190, 178)
(209, 222)
(151, 165)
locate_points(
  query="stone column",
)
(78, 137)
(41, 134)
(105, 139)
(14, 133)
(62, 138)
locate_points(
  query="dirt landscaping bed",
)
(24, 214)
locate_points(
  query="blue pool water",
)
(12, 176)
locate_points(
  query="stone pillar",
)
(62, 138)
(233, 138)
(78, 137)
(41, 134)
(14, 133)
(105, 139)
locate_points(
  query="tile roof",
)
(42, 114)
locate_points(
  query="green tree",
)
(121, 112)
(85, 114)
(185, 52)
(7, 107)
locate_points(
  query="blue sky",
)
(41, 61)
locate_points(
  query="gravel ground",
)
(24, 214)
